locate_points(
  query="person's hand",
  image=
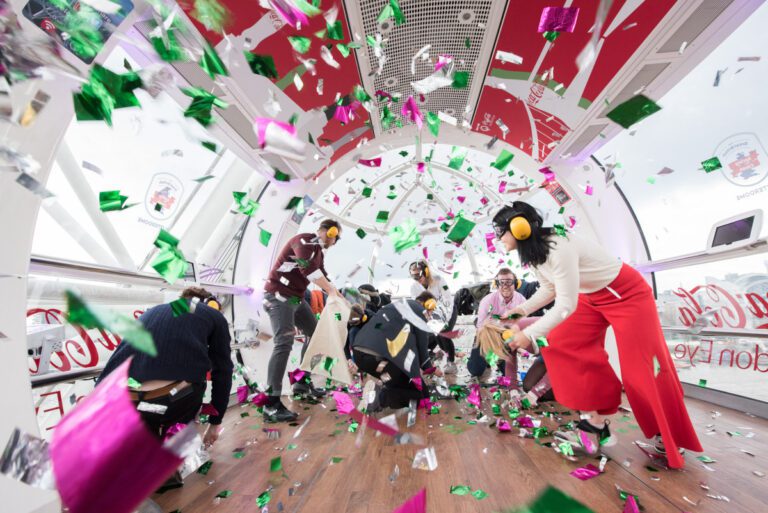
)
(352, 367)
(515, 313)
(520, 341)
(211, 435)
(438, 372)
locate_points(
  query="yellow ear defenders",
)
(430, 304)
(332, 232)
(365, 318)
(213, 303)
(426, 270)
(520, 228)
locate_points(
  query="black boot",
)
(275, 411)
(308, 390)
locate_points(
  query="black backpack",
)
(465, 302)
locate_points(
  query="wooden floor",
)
(512, 470)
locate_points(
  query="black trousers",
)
(445, 343)
(398, 391)
(181, 408)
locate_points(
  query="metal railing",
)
(718, 332)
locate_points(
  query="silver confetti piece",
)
(26, 458)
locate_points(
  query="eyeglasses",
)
(499, 231)
(505, 283)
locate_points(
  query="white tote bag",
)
(328, 342)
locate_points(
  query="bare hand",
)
(211, 435)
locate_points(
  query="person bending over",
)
(300, 261)
(424, 280)
(393, 347)
(593, 290)
(188, 346)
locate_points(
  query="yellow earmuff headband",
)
(213, 303)
(520, 228)
(430, 304)
(332, 232)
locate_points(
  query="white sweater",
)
(439, 289)
(575, 265)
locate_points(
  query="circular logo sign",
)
(743, 159)
(163, 196)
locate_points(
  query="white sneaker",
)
(658, 445)
(450, 368)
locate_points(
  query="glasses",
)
(499, 231)
(505, 283)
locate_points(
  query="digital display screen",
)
(733, 232)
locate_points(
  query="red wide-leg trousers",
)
(582, 377)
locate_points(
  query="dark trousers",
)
(476, 364)
(181, 409)
(398, 390)
(445, 343)
(285, 316)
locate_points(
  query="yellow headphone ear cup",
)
(213, 304)
(520, 228)
(365, 318)
(426, 271)
(430, 304)
(332, 232)
(508, 334)
(518, 284)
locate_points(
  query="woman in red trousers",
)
(593, 290)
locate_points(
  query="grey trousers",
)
(284, 317)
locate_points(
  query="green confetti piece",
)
(280, 176)
(224, 494)
(361, 94)
(212, 63)
(276, 464)
(382, 216)
(388, 119)
(293, 202)
(461, 490)
(396, 12)
(180, 307)
(238, 455)
(656, 366)
(202, 105)
(128, 328)
(560, 230)
(458, 154)
(405, 236)
(403, 153)
(104, 92)
(245, 205)
(244, 414)
(460, 79)
(203, 178)
(706, 459)
(353, 427)
(211, 14)
(430, 196)
(343, 49)
(702, 382)
(110, 201)
(367, 192)
(551, 35)
(291, 447)
(82, 29)
(210, 146)
(300, 43)
(169, 262)
(503, 160)
(335, 31)
(336, 459)
(264, 237)
(712, 164)
(361, 233)
(542, 342)
(337, 316)
(433, 123)
(479, 494)
(526, 403)
(263, 499)
(205, 467)
(633, 110)
(263, 65)
(461, 229)
(561, 211)
(492, 358)
(174, 52)
(651, 180)
(329, 362)
(468, 43)
(132, 383)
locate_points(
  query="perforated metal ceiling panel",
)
(447, 26)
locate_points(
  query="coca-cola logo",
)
(87, 350)
(747, 310)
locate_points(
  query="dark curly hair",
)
(535, 249)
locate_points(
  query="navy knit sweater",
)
(188, 347)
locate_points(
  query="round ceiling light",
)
(385, 27)
(466, 16)
(391, 82)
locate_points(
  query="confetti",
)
(558, 19)
(503, 160)
(110, 201)
(458, 154)
(712, 164)
(370, 163)
(169, 262)
(461, 490)
(276, 464)
(433, 123)
(405, 236)
(263, 65)
(104, 92)
(202, 105)
(416, 504)
(460, 230)
(460, 80)
(264, 237)
(245, 205)
(508, 57)
(382, 216)
(633, 110)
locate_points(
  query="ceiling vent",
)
(639, 82)
(588, 135)
(455, 28)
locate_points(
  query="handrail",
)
(78, 270)
(703, 257)
(719, 332)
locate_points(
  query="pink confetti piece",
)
(418, 383)
(263, 123)
(587, 442)
(425, 404)
(416, 504)
(383, 94)
(571, 221)
(461, 199)
(474, 395)
(503, 426)
(242, 394)
(549, 175)
(370, 162)
(586, 473)
(208, 409)
(420, 167)
(484, 200)
(631, 505)
(344, 403)
(292, 16)
(411, 111)
(504, 381)
(489, 245)
(425, 252)
(443, 61)
(345, 407)
(588, 190)
(260, 399)
(296, 375)
(502, 187)
(114, 469)
(176, 428)
(335, 198)
(346, 113)
(526, 421)
(558, 19)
